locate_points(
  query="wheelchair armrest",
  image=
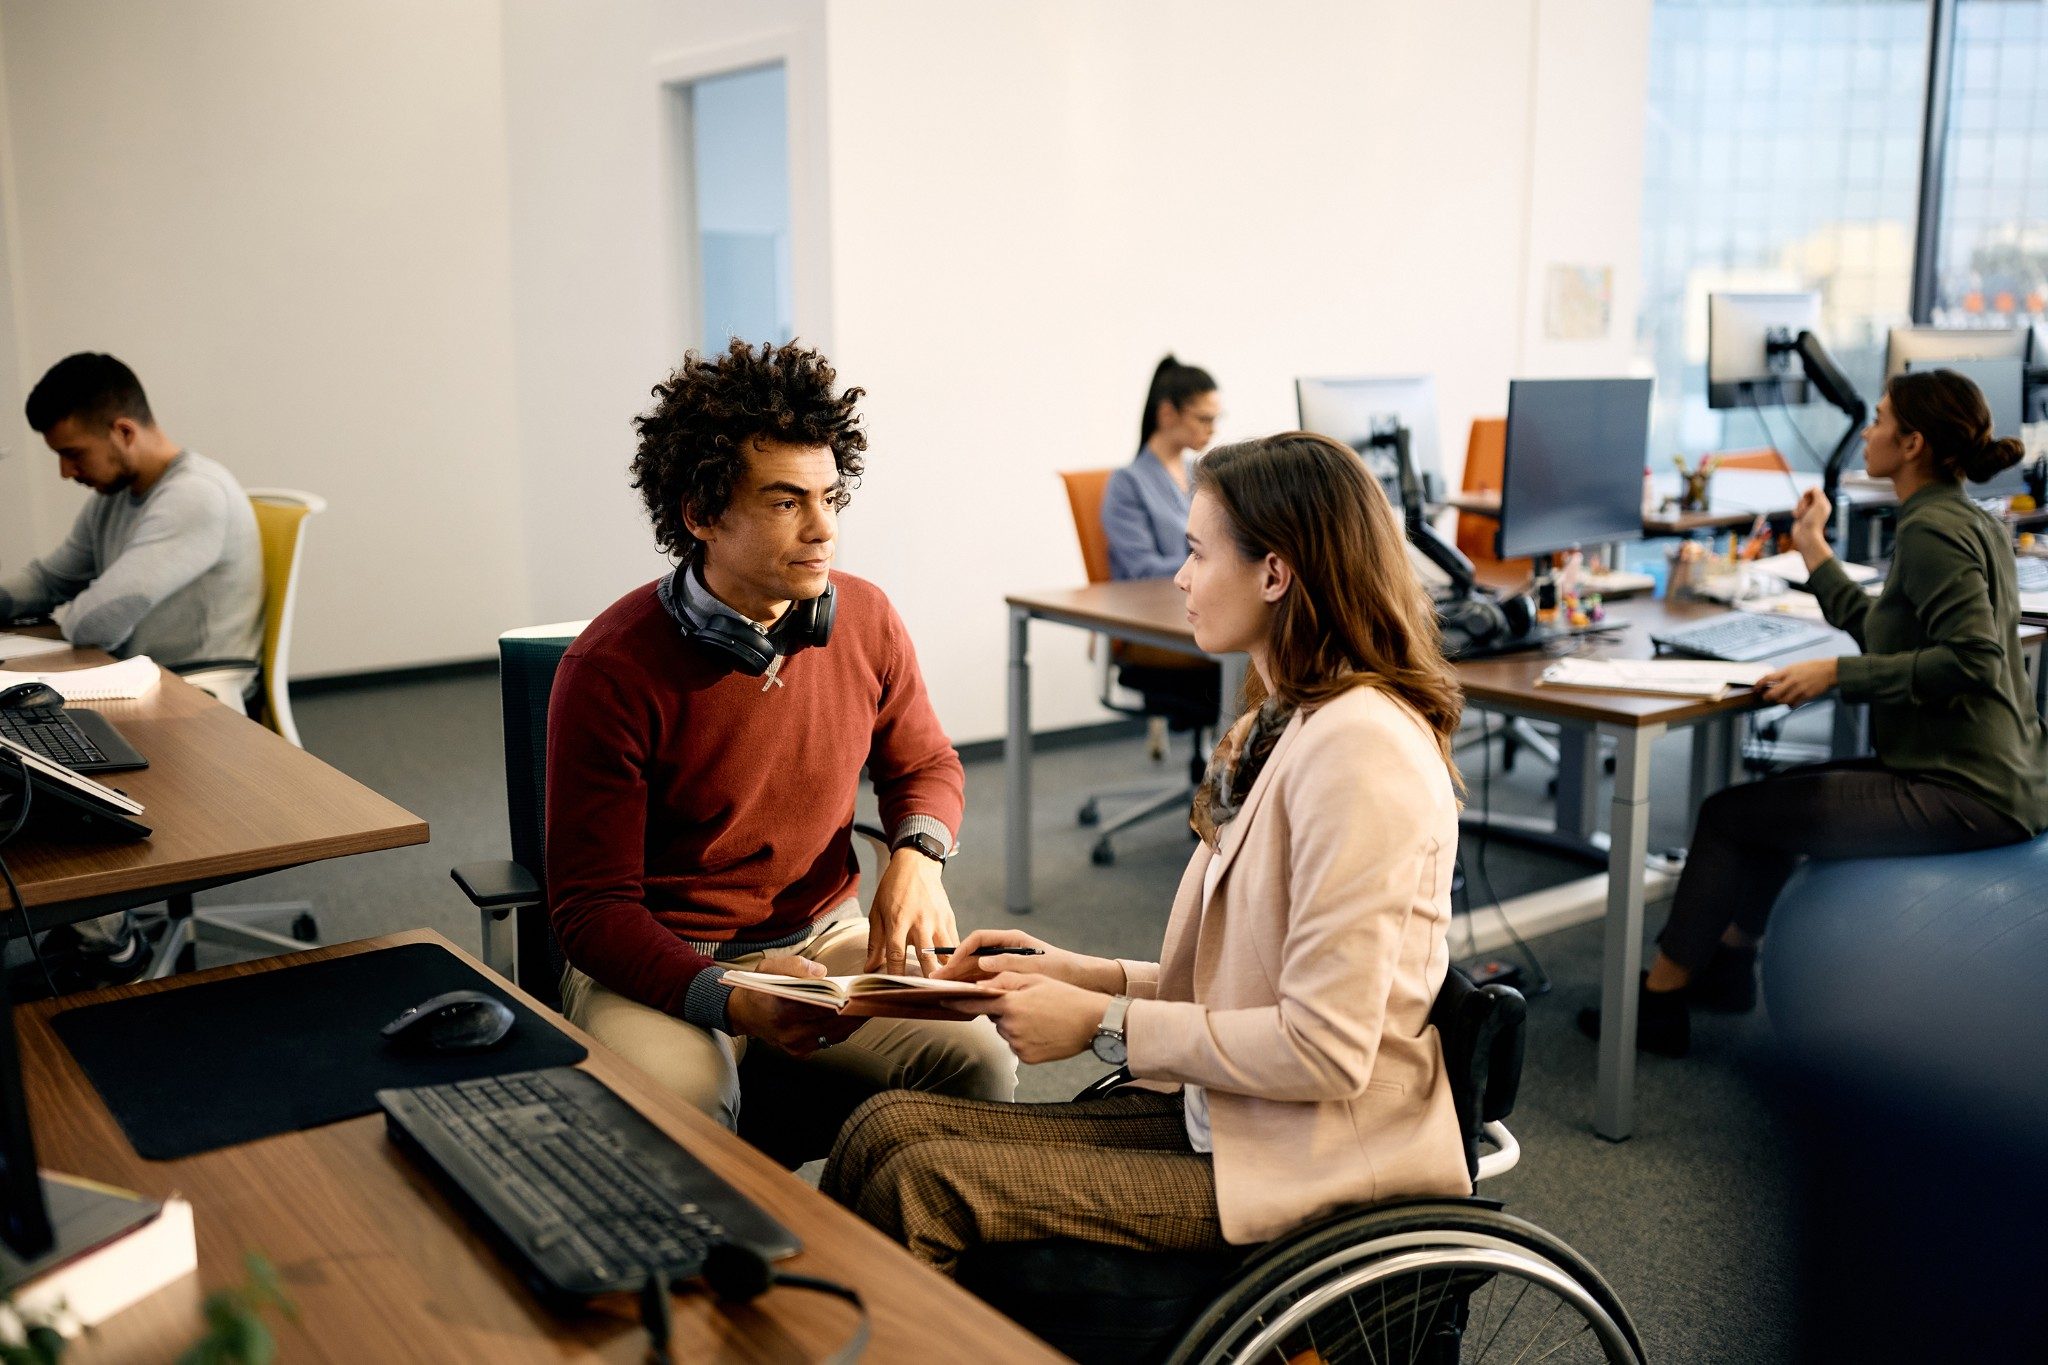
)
(498, 885)
(1506, 1045)
(1506, 1153)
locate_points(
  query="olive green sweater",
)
(1941, 667)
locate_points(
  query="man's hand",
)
(1076, 969)
(910, 909)
(1041, 1019)
(796, 1028)
(1796, 684)
(1810, 529)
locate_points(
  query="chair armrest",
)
(501, 884)
(877, 839)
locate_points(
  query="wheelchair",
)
(1435, 1281)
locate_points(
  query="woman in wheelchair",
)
(1281, 1045)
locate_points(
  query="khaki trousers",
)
(968, 1058)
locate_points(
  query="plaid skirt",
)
(941, 1174)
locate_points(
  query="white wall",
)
(290, 220)
(423, 258)
(1032, 203)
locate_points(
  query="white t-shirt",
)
(1194, 1099)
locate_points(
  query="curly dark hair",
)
(693, 443)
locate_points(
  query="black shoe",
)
(1663, 1025)
(1727, 984)
(125, 963)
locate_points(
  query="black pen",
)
(991, 950)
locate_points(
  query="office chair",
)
(790, 1112)
(281, 515)
(1410, 1280)
(1177, 689)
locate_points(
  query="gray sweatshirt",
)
(176, 574)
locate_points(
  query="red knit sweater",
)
(684, 802)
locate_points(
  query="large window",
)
(1784, 151)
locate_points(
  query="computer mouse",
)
(30, 694)
(459, 1021)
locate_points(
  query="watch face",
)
(1110, 1048)
(929, 846)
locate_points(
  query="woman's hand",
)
(1810, 529)
(1076, 969)
(1040, 1018)
(1796, 684)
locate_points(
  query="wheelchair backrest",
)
(1480, 1029)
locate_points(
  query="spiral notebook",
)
(128, 680)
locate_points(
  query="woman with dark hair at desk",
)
(1281, 1044)
(1145, 507)
(1961, 759)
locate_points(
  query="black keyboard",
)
(1741, 637)
(80, 740)
(585, 1192)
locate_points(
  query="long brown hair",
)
(1948, 410)
(1355, 614)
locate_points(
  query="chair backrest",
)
(1085, 489)
(1480, 1029)
(1486, 457)
(527, 661)
(280, 529)
(1766, 459)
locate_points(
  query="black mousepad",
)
(211, 1065)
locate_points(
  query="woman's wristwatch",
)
(1109, 1034)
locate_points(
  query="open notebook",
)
(128, 680)
(873, 993)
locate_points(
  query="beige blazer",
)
(1301, 998)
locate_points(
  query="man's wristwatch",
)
(1109, 1034)
(923, 843)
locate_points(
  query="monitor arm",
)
(1415, 514)
(1835, 387)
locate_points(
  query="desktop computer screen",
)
(1352, 410)
(2003, 383)
(1917, 346)
(1744, 367)
(1574, 464)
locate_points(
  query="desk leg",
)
(1622, 953)
(1578, 782)
(1017, 771)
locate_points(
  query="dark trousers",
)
(1750, 837)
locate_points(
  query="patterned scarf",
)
(1234, 767)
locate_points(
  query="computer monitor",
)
(1750, 357)
(2003, 383)
(1573, 472)
(1354, 410)
(24, 1216)
(1919, 345)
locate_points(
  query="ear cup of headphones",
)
(1470, 622)
(810, 625)
(1518, 613)
(737, 643)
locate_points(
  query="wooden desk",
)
(1736, 498)
(227, 799)
(1153, 612)
(383, 1267)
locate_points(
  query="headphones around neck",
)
(753, 651)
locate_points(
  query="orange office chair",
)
(1766, 459)
(1485, 467)
(1178, 689)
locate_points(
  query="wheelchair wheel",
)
(1445, 1283)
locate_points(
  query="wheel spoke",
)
(1541, 1328)
(1585, 1329)
(1505, 1320)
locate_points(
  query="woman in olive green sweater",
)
(1962, 762)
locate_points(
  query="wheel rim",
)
(1386, 1311)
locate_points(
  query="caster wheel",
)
(304, 929)
(1090, 814)
(1102, 855)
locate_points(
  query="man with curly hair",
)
(705, 744)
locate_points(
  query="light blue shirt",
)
(1145, 516)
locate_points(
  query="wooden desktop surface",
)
(1156, 605)
(1735, 498)
(225, 797)
(383, 1267)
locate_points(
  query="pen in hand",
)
(992, 950)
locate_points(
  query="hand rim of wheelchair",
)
(1436, 1244)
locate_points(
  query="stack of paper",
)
(1791, 567)
(128, 680)
(1710, 679)
(23, 646)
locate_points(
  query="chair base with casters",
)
(1436, 1280)
(1180, 697)
(229, 926)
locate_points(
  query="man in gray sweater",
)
(164, 562)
